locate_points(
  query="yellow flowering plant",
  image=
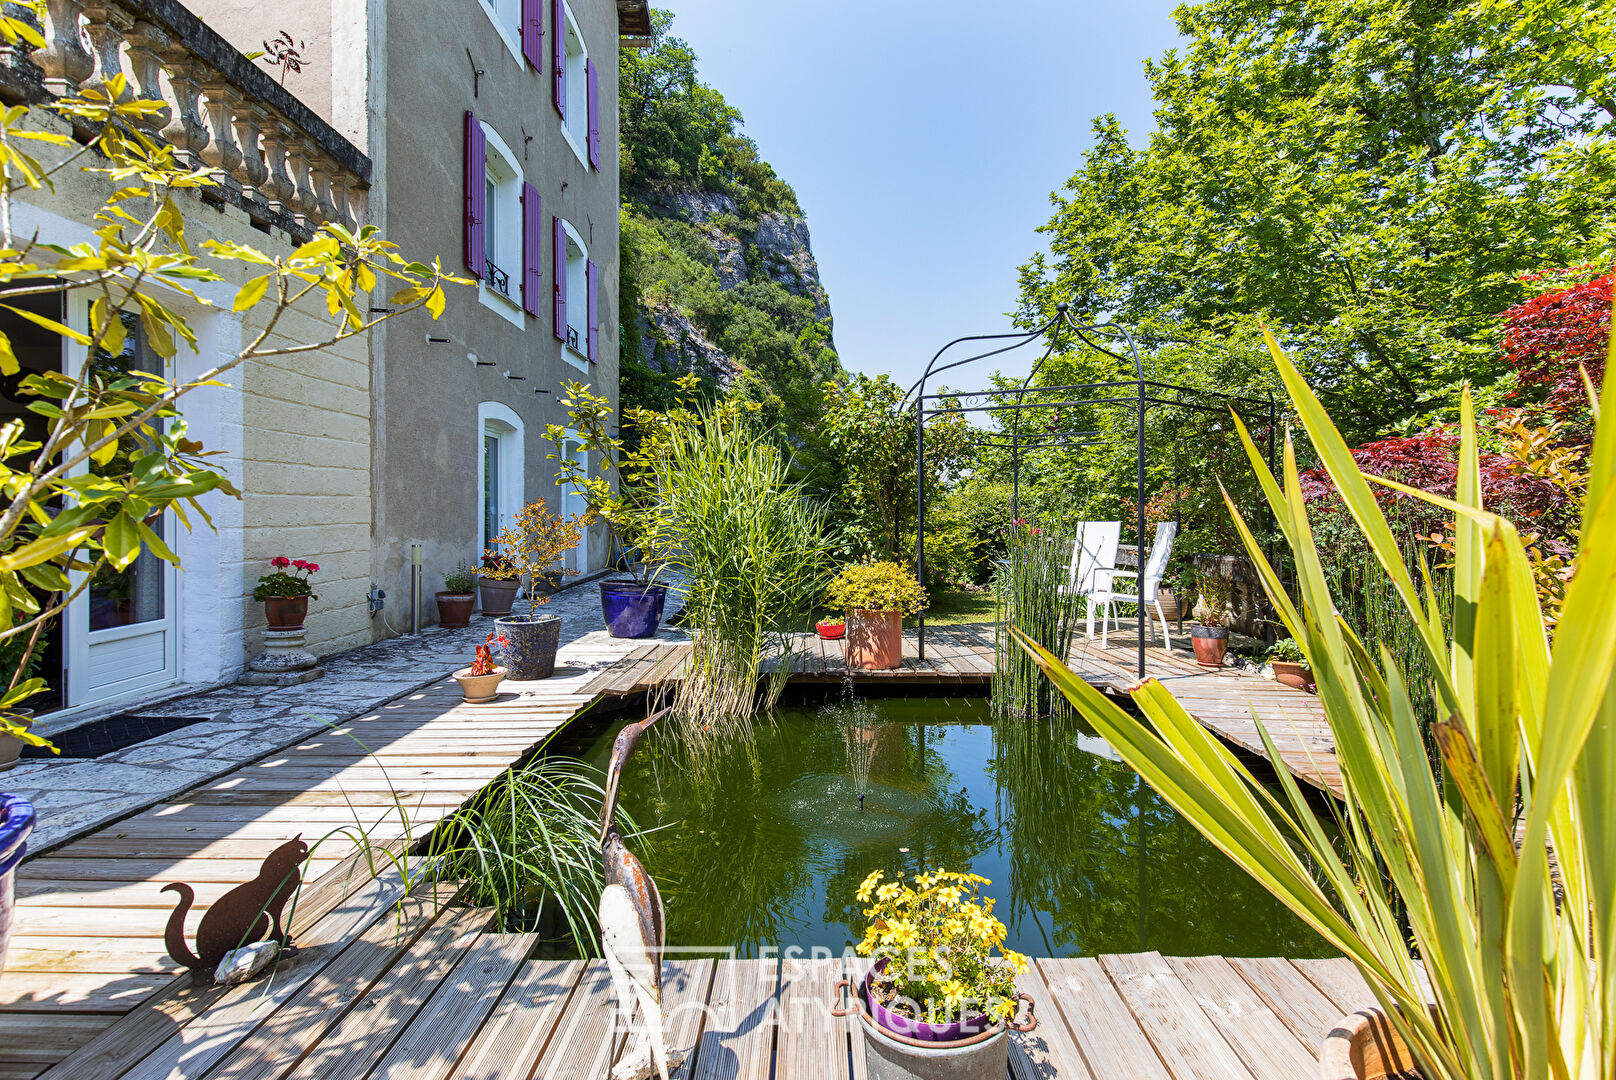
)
(938, 938)
(877, 586)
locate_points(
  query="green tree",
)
(1371, 177)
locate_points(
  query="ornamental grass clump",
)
(1434, 881)
(1030, 596)
(937, 941)
(876, 586)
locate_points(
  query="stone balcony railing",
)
(268, 151)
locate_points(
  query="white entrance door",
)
(123, 630)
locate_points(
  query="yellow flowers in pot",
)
(938, 938)
(876, 586)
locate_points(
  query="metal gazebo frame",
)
(1141, 394)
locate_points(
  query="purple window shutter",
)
(558, 55)
(533, 32)
(476, 198)
(592, 278)
(592, 75)
(558, 270)
(532, 234)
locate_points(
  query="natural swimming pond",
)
(763, 841)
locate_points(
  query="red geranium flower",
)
(280, 562)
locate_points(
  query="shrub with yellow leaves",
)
(937, 939)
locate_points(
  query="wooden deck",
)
(1224, 700)
(386, 986)
(87, 945)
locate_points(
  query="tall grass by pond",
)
(1027, 588)
(754, 558)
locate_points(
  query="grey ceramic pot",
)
(530, 646)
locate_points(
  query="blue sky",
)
(923, 140)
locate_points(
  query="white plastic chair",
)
(1161, 549)
(1094, 561)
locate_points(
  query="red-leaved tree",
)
(1547, 337)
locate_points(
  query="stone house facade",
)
(420, 432)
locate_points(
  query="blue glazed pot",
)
(530, 646)
(632, 610)
(16, 822)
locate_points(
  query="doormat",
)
(114, 733)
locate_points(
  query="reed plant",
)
(1029, 597)
(528, 845)
(754, 557)
(1440, 888)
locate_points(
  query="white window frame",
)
(506, 15)
(577, 297)
(502, 236)
(574, 503)
(502, 422)
(576, 125)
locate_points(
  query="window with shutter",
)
(558, 273)
(533, 33)
(558, 55)
(476, 197)
(592, 286)
(593, 79)
(532, 232)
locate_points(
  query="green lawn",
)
(950, 607)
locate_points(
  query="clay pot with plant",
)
(534, 545)
(876, 596)
(1290, 664)
(285, 592)
(936, 1001)
(497, 584)
(1211, 637)
(480, 681)
(458, 597)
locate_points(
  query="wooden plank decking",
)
(1224, 700)
(426, 991)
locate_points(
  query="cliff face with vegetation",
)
(718, 274)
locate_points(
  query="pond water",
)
(762, 841)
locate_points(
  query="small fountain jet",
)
(633, 930)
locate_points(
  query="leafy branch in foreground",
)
(115, 453)
(1437, 874)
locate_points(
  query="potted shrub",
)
(831, 629)
(936, 1001)
(480, 682)
(285, 592)
(533, 544)
(1290, 664)
(876, 597)
(458, 597)
(16, 822)
(1211, 638)
(624, 495)
(497, 582)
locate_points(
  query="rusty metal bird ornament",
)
(633, 930)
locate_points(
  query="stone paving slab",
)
(247, 722)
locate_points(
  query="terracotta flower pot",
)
(454, 609)
(477, 689)
(1211, 643)
(1364, 1046)
(874, 639)
(498, 594)
(286, 612)
(1299, 676)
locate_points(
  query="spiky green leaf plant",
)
(1446, 871)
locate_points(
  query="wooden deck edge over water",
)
(1224, 700)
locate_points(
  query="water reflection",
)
(765, 843)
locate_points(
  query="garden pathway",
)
(87, 945)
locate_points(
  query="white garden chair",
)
(1161, 549)
(1094, 561)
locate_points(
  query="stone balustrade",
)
(268, 151)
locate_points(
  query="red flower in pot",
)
(286, 592)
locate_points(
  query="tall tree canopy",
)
(1372, 177)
